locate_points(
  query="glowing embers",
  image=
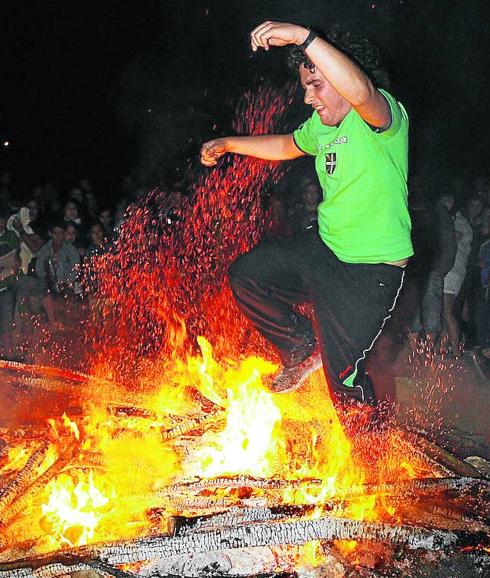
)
(160, 287)
(75, 508)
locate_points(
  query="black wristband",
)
(308, 40)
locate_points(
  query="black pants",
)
(351, 304)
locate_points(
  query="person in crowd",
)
(453, 281)
(26, 224)
(91, 206)
(468, 295)
(278, 225)
(99, 305)
(483, 301)
(9, 262)
(106, 219)
(38, 196)
(52, 200)
(85, 186)
(57, 266)
(76, 194)
(71, 213)
(351, 267)
(98, 241)
(73, 216)
(72, 237)
(435, 244)
(308, 214)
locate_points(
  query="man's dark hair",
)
(61, 223)
(355, 46)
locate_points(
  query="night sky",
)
(104, 88)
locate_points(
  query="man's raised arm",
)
(280, 147)
(340, 71)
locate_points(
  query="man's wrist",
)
(308, 40)
(302, 36)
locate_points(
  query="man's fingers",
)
(258, 37)
(209, 156)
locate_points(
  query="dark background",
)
(103, 88)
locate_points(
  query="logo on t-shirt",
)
(330, 163)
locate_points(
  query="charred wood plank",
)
(182, 526)
(261, 534)
(419, 486)
(239, 482)
(21, 501)
(9, 492)
(279, 533)
(275, 533)
(430, 451)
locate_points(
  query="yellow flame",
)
(296, 436)
(247, 444)
(71, 425)
(74, 509)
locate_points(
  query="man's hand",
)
(277, 34)
(212, 151)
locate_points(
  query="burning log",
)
(241, 482)
(420, 486)
(263, 561)
(32, 490)
(211, 504)
(49, 371)
(437, 516)
(66, 567)
(190, 424)
(26, 549)
(268, 533)
(131, 411)
(23, 478)
(439, 458)
(277, 533)
(182, 526)
(245, 485)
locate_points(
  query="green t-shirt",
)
(364, 216)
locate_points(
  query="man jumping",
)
(351, 267)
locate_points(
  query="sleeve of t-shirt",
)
(305, 139)
(399, 117)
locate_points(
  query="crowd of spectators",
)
(45, 237)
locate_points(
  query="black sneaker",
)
(290, 378)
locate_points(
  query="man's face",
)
(311, 194)
(319, 94)
(58, 236)
(106, 218)
(97, 234)
(70, 235)
(71, 211)
(33, 210)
